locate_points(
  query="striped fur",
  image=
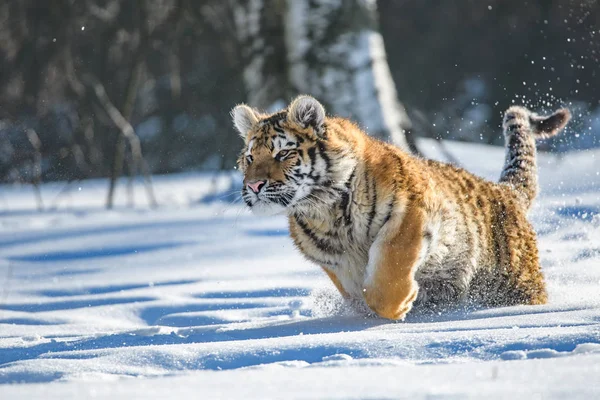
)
(521, 128)
(392, 230)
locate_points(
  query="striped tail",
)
(521, 128)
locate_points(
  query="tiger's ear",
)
(306, 111)
(244, 118)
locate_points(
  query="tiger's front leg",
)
(337, 283)
(390, 288)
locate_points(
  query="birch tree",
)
(330, 49)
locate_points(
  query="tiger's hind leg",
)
(445, 292)
(517, 278)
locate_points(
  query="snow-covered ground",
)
(200, 299)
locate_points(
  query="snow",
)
(199, 298)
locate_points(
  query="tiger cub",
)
(390, 229)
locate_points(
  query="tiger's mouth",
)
(274, 198)
(266, 207)
(270, 201)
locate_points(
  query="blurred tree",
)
(335, 53)
(331, 50)
(87, 85)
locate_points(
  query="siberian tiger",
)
(391, 229)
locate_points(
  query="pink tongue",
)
(255, 186)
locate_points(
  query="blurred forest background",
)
(100, 88)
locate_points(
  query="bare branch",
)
(124, 127)
(36, 143)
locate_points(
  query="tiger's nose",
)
(256, 185)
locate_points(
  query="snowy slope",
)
(205, 298)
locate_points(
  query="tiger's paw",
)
(390, 306)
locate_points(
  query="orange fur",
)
(391, 290)
(336, 282)
(391, 229)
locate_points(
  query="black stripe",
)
(400, 166)
(515, 127)
(275, 118)
(323, 154)
(496, 231)
(389, 212)
(317, 261)
(346, 199)
(321, 244)
(350, 179)
(344, 207)
(284, 199)
(312, 153)
(373, 197)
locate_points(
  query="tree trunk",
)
(335, 53)
(331, 50)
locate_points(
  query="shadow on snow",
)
(91, 290)
(95, 252)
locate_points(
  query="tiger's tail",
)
(521, 129)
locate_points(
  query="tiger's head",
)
(291, 160)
